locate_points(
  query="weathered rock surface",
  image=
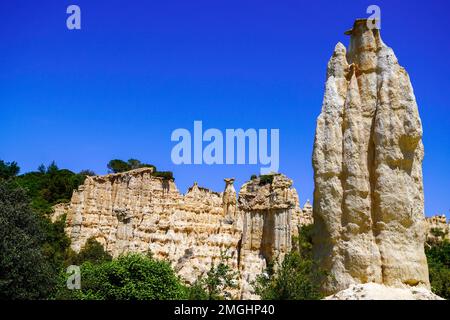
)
(367, 159)
(438, 229)
(136, 211)
(375, 291)
(270, 215)
(306, 216)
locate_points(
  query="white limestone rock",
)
(367, 159)
(375, 291)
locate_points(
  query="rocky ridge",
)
(137, 212)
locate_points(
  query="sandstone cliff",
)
(136, 211)
(270, 215)
(367, 159)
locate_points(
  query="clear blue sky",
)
(140, 69)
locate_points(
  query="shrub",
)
(265, 179)
(167, 175)
(129, 277)
(117, 165)
(92, 252)
(49, 186)
(8, 169)
(24, 272)
(87, 172)
(438, 256)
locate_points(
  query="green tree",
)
(87, 172)
(296, 278)
(92, 252)
(168, 175)
(438, 256)
(136, 164)
(46, 187)
(55, 246)
(24, 271)
(8, 169)
(117, 166)
(49, 186)
(129, 277)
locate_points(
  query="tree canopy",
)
(24, 271)
(8, 169)
(117, 165)
(129, 277)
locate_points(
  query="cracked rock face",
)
(137, 212)
(367, 159)
(270, 215)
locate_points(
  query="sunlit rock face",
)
(438, 229)
(137, 212)
(367, 159)
(270, 215)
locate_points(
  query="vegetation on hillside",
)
(49, 185)
(438, 256)
(25, 273)
(129, 277)
(34, 252)
(117, 166)
(92, 252)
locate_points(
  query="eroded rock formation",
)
(136, 211)
(368, 197)
(438, 229)
(270, 214)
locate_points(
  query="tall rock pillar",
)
(229, 199)
(367, 159)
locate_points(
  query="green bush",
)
(46, 187)
(56, 244)
(265, 179)
(168, 175)
(8, 169)
(49, 186)
(438, 256)
(117, 165)
(129, 277)
(92, 252)
(24, 271)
